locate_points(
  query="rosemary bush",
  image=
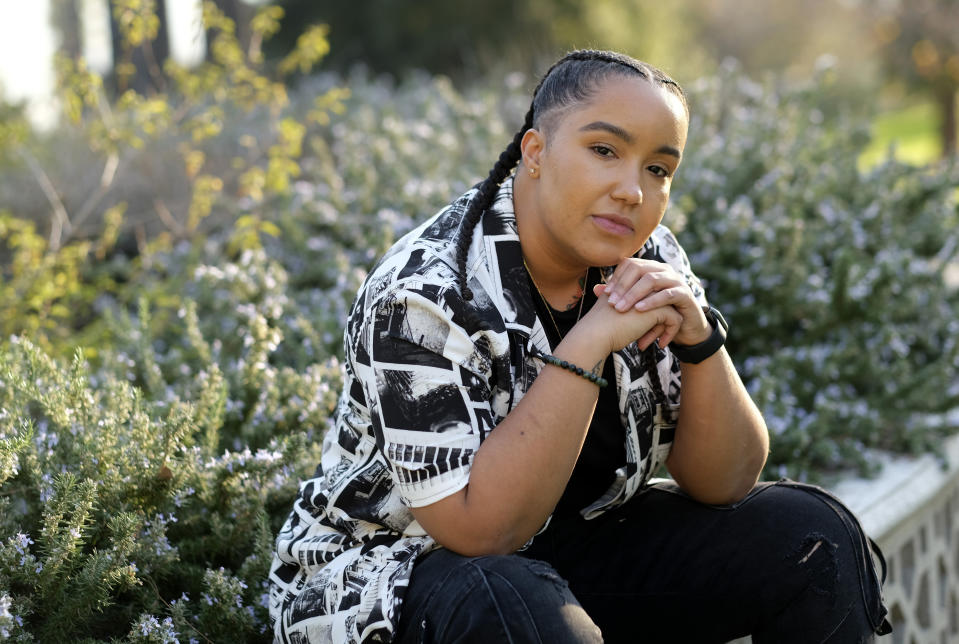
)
(834, 278)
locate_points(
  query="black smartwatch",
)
(698, 352)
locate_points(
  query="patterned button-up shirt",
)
(428, 377)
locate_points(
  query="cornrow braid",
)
(575, 77)
(649, 357)
(508, 160)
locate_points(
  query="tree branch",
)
(106, 179)
(60, 220)
(167, 218)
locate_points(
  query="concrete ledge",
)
(904, 486)
(912, 510)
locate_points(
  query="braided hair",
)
(572, 80)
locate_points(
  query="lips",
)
(614, 224)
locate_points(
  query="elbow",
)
(472, 529)
(481, 545)
(737, 487)
(718, 496)
(721, 487)
(736, 493)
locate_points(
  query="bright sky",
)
(26, 48)
(27, 45)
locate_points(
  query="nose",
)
(629, 191)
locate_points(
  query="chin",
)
(613, 257)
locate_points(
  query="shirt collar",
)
(512, 294)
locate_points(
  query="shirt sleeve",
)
(428, 393)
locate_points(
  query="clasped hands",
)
(651, 287)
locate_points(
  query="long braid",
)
(482, 200)
(649, 358)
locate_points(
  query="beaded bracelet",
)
(568, 366)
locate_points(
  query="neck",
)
(560, 296)
(559, 281)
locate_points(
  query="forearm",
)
(523, 466)
(721, 440)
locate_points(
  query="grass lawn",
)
(913, 132)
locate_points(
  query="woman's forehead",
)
(619, 104)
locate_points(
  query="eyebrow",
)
(619, 132)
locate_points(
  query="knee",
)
(829, 549)
(512, 598)
(827, 541)
(812, 517)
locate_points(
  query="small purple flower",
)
(21, 542)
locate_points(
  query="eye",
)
(603, 150)
(659, 171)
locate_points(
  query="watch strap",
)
(696, 353)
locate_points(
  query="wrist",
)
(583, 346)
(696, 353)
(695, 331)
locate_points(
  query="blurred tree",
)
(919, 41)
(687, 38)
(141, 44)
(65, 18)
(668, 35)
(240, 13)
(439, 36)
(781, 35)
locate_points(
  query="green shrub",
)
(843, 323)
(119, 507)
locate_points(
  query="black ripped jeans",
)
(787, 564)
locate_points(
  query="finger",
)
(607, 285)
(651, 336)
(667, 324)
(667, 337)
(625, 275)
(631, 270)
(648, 285)
(615, 276)
(653, 299)
(677, 295)
(673, 322)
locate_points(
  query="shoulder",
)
(663, 246)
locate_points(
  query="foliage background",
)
(177, 264)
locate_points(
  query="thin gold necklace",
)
(549, 309)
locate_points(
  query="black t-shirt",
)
(605, 447)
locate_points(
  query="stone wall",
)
(912, 511)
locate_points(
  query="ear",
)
(531, 147)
